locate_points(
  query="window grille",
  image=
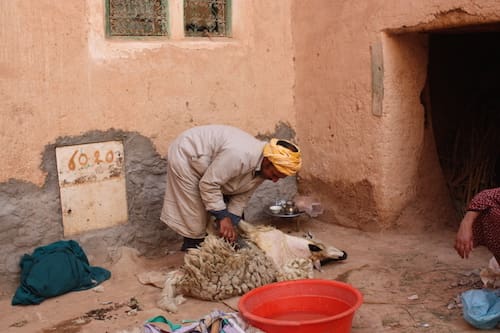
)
(205, 18)
(137, 17)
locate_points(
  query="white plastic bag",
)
(490, 276)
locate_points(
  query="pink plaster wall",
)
(59, 76)
(365, 168)
(307, 63)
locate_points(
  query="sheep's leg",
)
(169, 299)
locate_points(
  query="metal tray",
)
(268, 212)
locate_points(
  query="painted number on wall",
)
(91, 162)
(82, 159)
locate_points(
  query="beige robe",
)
(204, 164)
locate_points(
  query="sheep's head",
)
(284, 248)
(321, 254)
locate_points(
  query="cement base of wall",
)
(30, 216)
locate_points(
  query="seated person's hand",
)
(464, 239)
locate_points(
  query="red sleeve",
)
(485, 200)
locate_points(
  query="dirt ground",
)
(410, 283)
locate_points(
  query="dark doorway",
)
(464, 82)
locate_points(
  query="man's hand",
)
(227, 230)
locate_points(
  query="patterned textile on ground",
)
(215, 322)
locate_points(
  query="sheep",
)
(218, 270)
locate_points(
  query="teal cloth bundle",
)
(56, 269)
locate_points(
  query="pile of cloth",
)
(55, 269)
(215, 322)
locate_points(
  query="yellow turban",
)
(285, 160)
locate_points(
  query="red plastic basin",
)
(300, 306)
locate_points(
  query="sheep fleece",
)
(217, 271)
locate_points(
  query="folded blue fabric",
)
(55, 269)
(481, 308)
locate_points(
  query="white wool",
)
(281, 247)
(216, 270)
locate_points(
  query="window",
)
(143, 18)
(206, 18)
(137, 17)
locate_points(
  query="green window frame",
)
(136, 18)
(207, 18)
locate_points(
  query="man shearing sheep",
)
(214, 170)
